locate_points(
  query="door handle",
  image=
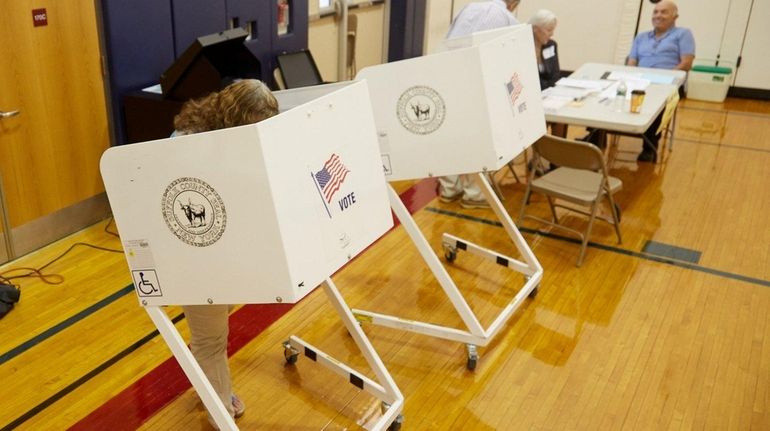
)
(4, 114)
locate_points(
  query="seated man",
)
(665, 47)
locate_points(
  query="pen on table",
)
(603, 99)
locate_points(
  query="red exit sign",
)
(39, 17)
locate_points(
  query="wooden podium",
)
(262, 213)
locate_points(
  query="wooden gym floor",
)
(631, 340)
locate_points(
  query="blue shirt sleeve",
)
(634, 54)
(686, 43)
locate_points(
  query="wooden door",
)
(51, 73)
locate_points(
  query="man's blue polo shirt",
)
(665, 52)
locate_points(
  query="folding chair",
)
(665, 129)
(581, 179)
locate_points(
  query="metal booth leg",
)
(384, 388)
(191, 368)
(476, 334)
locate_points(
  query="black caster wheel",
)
(450, 254)
(473, 357)
(533, 293)
(471, 365)
(290, 354)
(396, 425)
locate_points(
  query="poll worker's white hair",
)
(543, 18)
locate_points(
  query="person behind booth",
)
(666, 46)
(543, 24)
(243, 102)
(485, 15)
(474, 17)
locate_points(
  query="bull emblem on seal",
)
(194, 212)
(421, 111)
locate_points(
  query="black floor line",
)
(722, 111)
(640, 255)
(50, 332)
(79, 382)
(719, 144)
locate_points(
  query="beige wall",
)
(323, 40)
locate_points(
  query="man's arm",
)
(686, 51)
(685, 63)
(633, 56)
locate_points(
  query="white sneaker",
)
(449, 199)
(471, 204)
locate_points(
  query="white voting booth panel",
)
(255, 214)
(470, 109)
(479, 37)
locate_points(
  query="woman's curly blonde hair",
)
(243, 102)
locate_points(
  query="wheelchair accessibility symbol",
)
(146, 282)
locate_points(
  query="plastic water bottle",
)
(620, 97)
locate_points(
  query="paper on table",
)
(631, 85)
(637, 84)
(588, 84)
(636, 80)
(623, 76)
(554, 103)
(566, 92)
(659, 79)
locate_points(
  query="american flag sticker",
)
(514, 88)
(330, 178)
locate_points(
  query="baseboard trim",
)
(47, 229)
(749, 93)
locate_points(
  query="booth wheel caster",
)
(396, 424)
(533, 293)
(290, 353)
(450, 253)
(473, 357)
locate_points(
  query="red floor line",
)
(129, 409)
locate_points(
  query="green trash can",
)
(709, 83)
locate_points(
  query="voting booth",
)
(261, 213)
(470, 109)
(466, 110)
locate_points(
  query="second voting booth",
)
(261, 213)
(470, 109)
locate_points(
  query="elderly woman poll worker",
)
(543, 24)
(243, 102)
